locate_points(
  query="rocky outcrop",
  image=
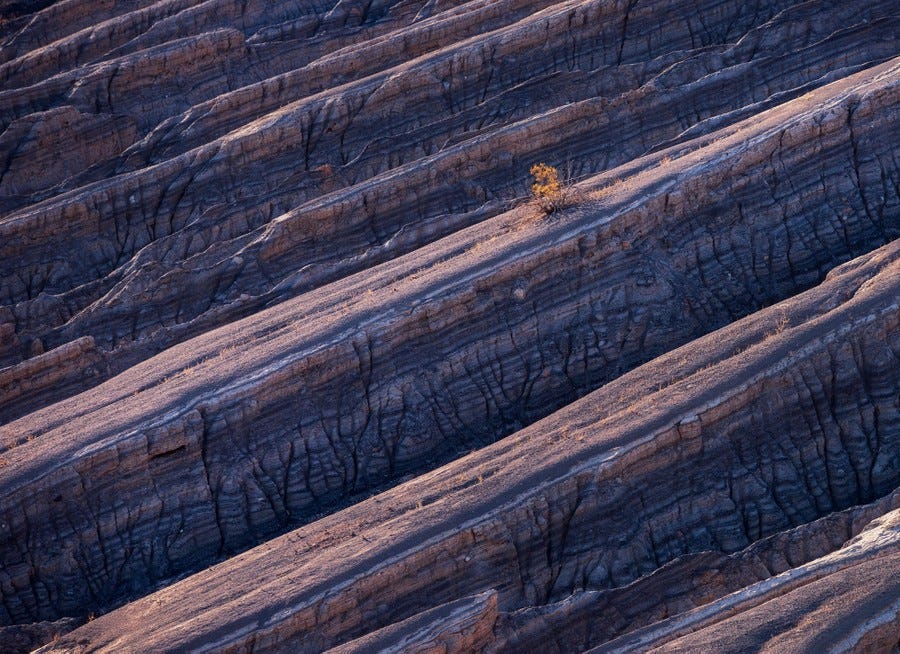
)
(272, 300)
(26, 638)
(56, 142)
(26, 386)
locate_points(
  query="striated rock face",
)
(796, 611)
(278, 418)
(660, 464)
(272, 301)
(461, 626)
(589, 617)
(252, 196)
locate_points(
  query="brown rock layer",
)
(34, 382)
(462, 626)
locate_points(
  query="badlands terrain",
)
(291, 362)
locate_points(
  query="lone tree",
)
(548, 192)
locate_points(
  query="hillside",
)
(290, 362)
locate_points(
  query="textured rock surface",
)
(587, 618)
(462, 626)
(258, 193)
(594, 497)
(261, 260)
(28, 637)
(796, 611)
(284, 415)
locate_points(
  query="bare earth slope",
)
(286, 363)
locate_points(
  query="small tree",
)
(549, 193)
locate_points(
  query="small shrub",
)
(549, 193)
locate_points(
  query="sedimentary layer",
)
(710, 448)
(290, 362)
(595, 618)
(283, 416)
(229, 194)
(798, 611)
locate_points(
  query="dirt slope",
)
(289, 363)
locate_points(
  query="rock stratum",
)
(289, 362)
